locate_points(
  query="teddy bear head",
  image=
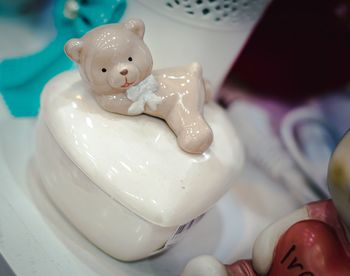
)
(113, 57)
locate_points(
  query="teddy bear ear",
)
(136, 26)
(73, 49)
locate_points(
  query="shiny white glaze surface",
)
(106, 223)
(135, 160)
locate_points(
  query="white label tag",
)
(179, 233)
(182, 229)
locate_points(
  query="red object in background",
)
(314, 247)
(310, 248)
(298, 50)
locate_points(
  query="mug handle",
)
(288, 129)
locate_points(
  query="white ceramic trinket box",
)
(132, 184)
(122, 181)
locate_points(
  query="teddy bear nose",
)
(124, 72)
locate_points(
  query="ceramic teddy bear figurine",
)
(117, 65)
(314, 240)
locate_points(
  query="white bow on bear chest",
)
(142, 94)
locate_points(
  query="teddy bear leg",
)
(193, 133)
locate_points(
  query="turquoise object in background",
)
(11, 7)
(23, 78)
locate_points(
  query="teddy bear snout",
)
(124, 72)
(122, 76)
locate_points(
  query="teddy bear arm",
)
(113, 103)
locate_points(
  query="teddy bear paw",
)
(195, 140)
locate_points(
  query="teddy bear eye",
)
(130, 59)
(104, 70)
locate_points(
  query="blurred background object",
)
(211, 32)
(300, 49)
(22, 78)
(288, 92)
(21, 7)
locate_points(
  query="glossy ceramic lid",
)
(135, 159)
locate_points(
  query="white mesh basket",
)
(216, 14)
(211, 32)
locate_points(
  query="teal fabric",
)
(13, 7)
(22, 79)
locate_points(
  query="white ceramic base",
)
(104, 221)
(37, 240)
